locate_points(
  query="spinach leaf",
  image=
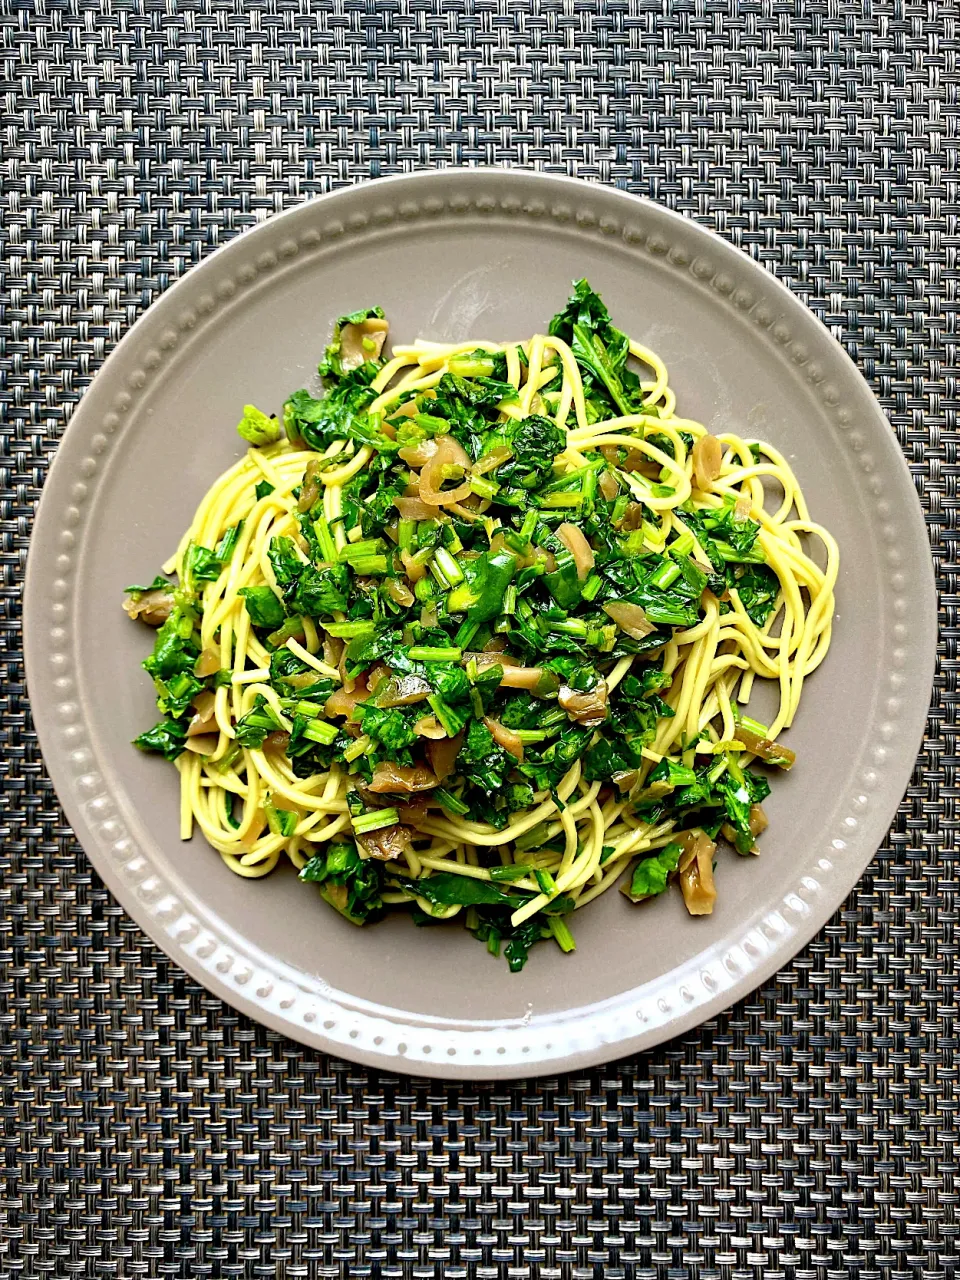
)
(480, 595)
(738, 798)
(447, 889)
(252, 729)
(262, 605)
(496, 806)
(521, 938)
(228, 544)
(494, 928)
(379, 509)
(476, 392)
(364, 650)
(610, 756)
(284, 561)
(203, 565)
(448, 680)
(724, 536)
(731, 547)
(666, 608)
(340, 414)
(650, 874)
(758, 587)
(175, 695)
(563, 583)
(547, 769)
(297, 678)
(672, 773)
(349, 883)
(168, 738)
(481, 762)
(534, 442)
(306, 589)
(173, 652)
(388, 726)
(159, 583)
(599, 348)
(319, 593)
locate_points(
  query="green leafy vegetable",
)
(264, 608)
(388, 726)
(306, 589)
(351, 885)
(758, 587)
(484, 764)
(446, 889)
(738, 798)
(175, 651)
(257, 428)
(534, 442)
(486, 580)
(168, 738)
(253, 728)
(602, 349)
(650, 874)
(203, 565)
(158, 584)
(340, 414)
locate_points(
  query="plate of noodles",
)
(527, 626)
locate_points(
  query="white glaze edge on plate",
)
(303, 1006)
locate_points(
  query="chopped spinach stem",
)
(473, 633)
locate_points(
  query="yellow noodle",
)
(713, 665)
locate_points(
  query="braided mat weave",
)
(151, 1131)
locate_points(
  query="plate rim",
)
(39, 678)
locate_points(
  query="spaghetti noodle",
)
(478, 634)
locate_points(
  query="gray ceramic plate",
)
(482, 253)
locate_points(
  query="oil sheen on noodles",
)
(588, 832)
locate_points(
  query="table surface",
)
(151, 1131)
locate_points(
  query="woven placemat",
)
(151, 1131)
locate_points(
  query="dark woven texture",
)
(149, 1130)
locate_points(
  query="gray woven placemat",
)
(149, 1130)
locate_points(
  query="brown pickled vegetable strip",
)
(758, 820)
(429, 727)
(443, 753)
(392, 778)
(572, 538)
(696, 871)
(771, 752)
(362, 342)
(387, 844)
(416, 455)
(204, 721)
(707, 460)
(630, 618)
(208, 664)
(403, 691)
(450, 456)
(588, 709)
(151, 607)
(505, 737)
(311, 489)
